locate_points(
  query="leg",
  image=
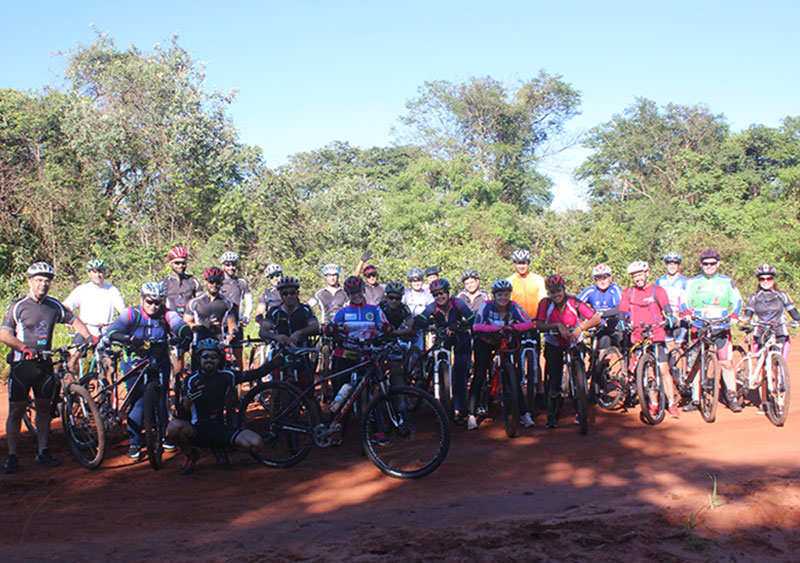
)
(179, 432)
(248, 441)
(15, 412)
(554, 365)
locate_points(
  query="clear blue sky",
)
(310, 72)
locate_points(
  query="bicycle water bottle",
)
(341, 397)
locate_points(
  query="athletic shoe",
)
(480, 411)
(550, 424)
(380, 439)
(11, 465)
(458, 419)
(527, 420)
(762, 410)
(221, 456)
(577, 421)
(134, 452)
(733, 403)
(691, 407)
(46, 458)
(472, 422)
(653, 410)
(674, 412)
(187, 468)
(336, 438)
(169, 446)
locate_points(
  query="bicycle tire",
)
(29, 418)
(83, 427)
(578, 369)
(740, 372)
(610, 384)
(444, 389)
(509, 399)
(709, 388)
(779, 398)
(154, 424)
(650, 389)
(530, 367)
(287, 436)
(415, 442)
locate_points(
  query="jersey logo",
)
(370, 316)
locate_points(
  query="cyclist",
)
(495, 316)
(568, 316)
(604, 298)
(431, 273)
(713, 297)
(291, 322)
(398, 314)
(236, 289)
(28, 329)
(209, 314)
(416, 296)
(373, 290)
(451, 314)
(150, 320)
(330, 298)
(674, 283)
(472, 294)
(98, 301)
(647, 303)
(180, 288)
(271, 297)
(205, 394)
(769, 304)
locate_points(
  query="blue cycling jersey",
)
(604, 302)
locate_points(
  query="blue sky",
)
(310, 72)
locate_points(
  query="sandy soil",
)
(624, 492)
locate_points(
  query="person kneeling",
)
(205, 394)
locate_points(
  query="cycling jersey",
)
(417, 300)
(475, 300)
(396, 317)
(527, 291)
(270, 298)
(180, 289)
(361, 322)
(210, 405)
(433, 314)
(676, 290)
(713, 298)
(97, 304)
(374, 293)
(236, 289)
(489, 319)
(33, 322)
(769, 305)
(647, 305)
(279, 321)
(604, 302)
(574, 311)
(329, 302)
(205, 308)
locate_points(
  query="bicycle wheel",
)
(709, 388)
(284, 420)
(650, 390)
(83, 428)
(509, 399)
(778, 390)
(29, 418)
(531, 374)
(443, 376)
(578, 374)
(405, 443)
(155, 422)
(741, 371)
(610, 384)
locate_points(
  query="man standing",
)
(674, 283)
(28, 329)
(180, 288)
(330, 298)
(472, 294)
(236, 289)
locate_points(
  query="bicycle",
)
(576, 387)
(146, 376)
(504, 380)
(615, 384)
(649, 382)
(403, 430)
(695, 356)
(765, 370)
(529, 368)
(79, 414)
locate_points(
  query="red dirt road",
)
(624, 492)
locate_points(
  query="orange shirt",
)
(528, 290)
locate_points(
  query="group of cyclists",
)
(182, 314)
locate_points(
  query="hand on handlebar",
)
(28, 354)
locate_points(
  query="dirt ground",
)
(624, 492)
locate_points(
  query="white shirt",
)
(97, 304)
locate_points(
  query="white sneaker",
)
(526, 420)
(472, 422)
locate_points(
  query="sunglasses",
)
(149, 301)
(273, 276)
(438, 293)
(209, 356)
(393, 297)
(288, 293)
(766, 278)
(712, 263)
(214, 281)
(179, 262)
(603, 277)
(371, 275)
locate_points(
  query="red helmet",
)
(709, 254)
(554, 281)
(178, 252)
(353, 284)
(440, 284)
(212, 273)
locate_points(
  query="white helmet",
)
(638, 266)
(41, 269)
(330, 270)
(273, 270)
(601, 270)
(229, 257)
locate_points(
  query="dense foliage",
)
(136, 157)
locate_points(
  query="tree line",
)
(135, 156)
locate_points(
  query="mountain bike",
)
(763, 368)
(649, 382)
(504, 380)
(403, 430)
(433, 370)
(575, 366)
(529, 368)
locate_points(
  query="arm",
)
(248, 307)
(7, 337)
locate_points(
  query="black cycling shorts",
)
(213, 435)
(31, 374)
